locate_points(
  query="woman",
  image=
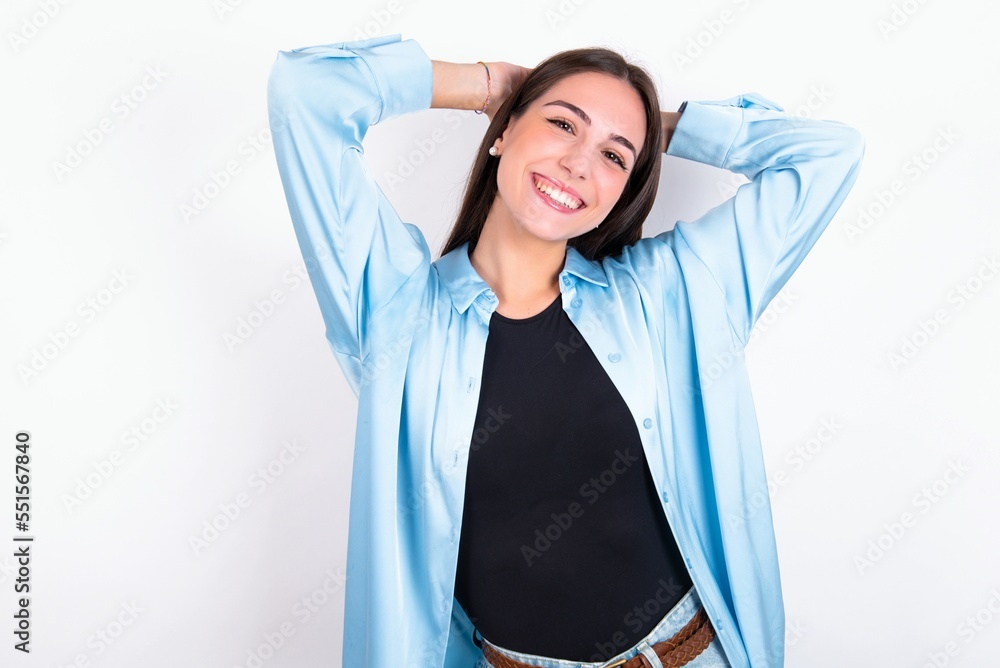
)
(557, 461)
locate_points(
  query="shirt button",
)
(566, 280)
(576, 302)
(718, 624)
(647, 423)
(688, 562)
(664, 495)
(614, 357)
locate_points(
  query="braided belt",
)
(678, 650)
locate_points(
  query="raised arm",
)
(800, 172)
(321, 102)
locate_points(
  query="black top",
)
(565, 551)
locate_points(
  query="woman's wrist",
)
(459, 85)
(668, 121)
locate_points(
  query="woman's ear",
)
(508, 127)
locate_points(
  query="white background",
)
(114, 531)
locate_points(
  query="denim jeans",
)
(672, 622)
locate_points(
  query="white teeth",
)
(557, 195)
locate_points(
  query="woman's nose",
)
(576, 162)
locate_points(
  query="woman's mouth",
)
(554, 197)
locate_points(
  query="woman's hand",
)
(505, 77)
(668, 123)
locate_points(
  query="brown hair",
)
(623, 224)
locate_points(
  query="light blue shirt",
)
(668, 319)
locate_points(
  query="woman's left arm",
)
(800, 171)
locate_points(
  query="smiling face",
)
(578, 142)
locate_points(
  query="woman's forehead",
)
(600, 98)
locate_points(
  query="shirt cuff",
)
(705, 132)
(399, 66)
(707, 129)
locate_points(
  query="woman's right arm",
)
(321, 102)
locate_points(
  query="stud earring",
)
(493, 151)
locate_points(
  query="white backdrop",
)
(166, 354)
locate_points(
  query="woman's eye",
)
(614, 156)
(560, 122)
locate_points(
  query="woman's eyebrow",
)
(586, 119)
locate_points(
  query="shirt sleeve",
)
(800, 172)
(321, 102)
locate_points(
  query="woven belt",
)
(678, 650)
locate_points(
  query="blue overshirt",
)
(668, 318)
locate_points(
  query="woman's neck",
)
(522, 270)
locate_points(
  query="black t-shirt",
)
(565, 550)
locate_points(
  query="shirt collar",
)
(465, 284)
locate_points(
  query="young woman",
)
(557, 460)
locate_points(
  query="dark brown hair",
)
(623, 224)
